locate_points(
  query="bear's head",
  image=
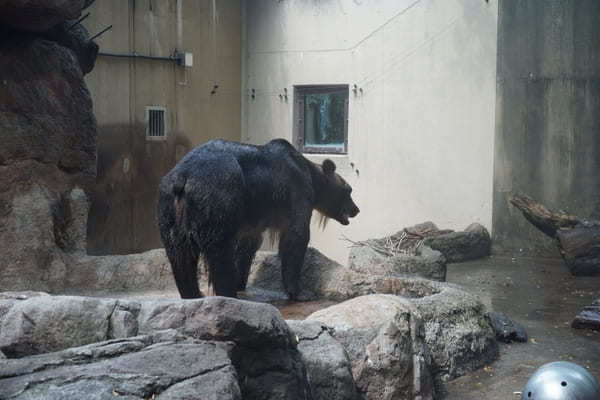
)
(334, 197)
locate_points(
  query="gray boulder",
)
(327, 365)
(160, 366)
(425, 263)
(385, 341)
(457, 333)
(41, 324)
(470, 244)
(322, 278)
(265, 354)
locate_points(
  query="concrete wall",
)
(420, 134)
(122, 217)
(548, 115)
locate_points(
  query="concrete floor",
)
(542, 296)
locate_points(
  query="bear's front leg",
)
(292, 248)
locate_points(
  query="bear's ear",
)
(328, 167)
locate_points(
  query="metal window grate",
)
(156, 118)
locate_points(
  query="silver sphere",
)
(561, 380)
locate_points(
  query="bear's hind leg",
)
(221, 269)
(184, 263)
(245, 250)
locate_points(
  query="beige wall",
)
(122, 217)
(421, 133)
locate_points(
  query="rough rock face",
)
(39, 15)
(49, 231)
(470, 244)
(385, 341)
(457, 332)
(410, 246)
(327, 365)
(425, 263)
(164, 365)
(46, 111)
(48, 146)
(322, 278)
(264, 351)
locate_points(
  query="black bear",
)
(221, 197)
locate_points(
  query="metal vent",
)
(157, 123)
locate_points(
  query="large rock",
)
(327, 364)
(160, 366)
(322, 278)
(45, 113)
(385, 340)
(48, 152)
(42, 324)
(470, 244)
(457, 331)
(39, 15)
(265, 354)
(425, 263)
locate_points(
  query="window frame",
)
(164, 123)
(300, 92)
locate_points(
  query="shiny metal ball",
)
(561, 380)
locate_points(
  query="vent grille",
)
(156, 118)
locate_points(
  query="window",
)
(157, 123)
(321, 118)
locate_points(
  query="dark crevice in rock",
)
(62, 219)
(109, 328)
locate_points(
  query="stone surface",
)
(470, 244)
(425, 263)
(321, 278)
(76, 38)
(506, 330)
(39, 15)
(589, 317)
(48, 155)
(327, 364)
(46, 110)
(385, 341)
(164, 365)
(48, 323)
(457, 331)
(265, 354)
(118, 273)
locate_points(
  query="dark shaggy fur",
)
(219, 199)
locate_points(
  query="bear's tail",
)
(178, 192)
(179, 185)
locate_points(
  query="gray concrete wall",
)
(122, 217)
(421, 131)
(548, 115)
